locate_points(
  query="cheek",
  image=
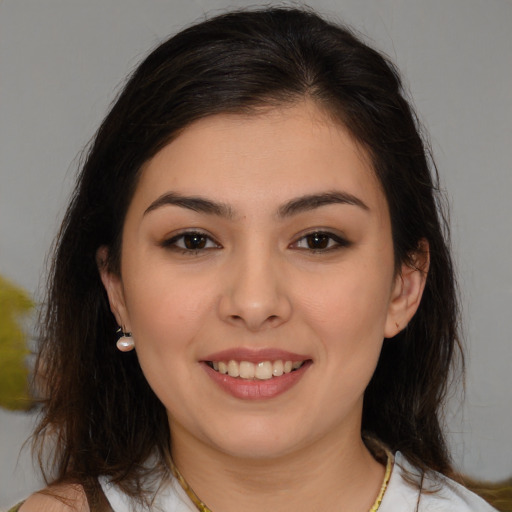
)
(349, 302)
(348, 315)
(166, 312)
(167, 317)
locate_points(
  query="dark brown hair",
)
(99, 409)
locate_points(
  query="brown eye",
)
(195, 241)
(191, 241)
(318, 241)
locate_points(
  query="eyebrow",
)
(293, 207)
(312, 201)
(197, 204)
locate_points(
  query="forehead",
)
(264, 157)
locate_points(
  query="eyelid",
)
(340, 240)
(169, 242)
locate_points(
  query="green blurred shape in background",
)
(14, 385)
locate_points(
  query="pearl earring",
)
(125, 343)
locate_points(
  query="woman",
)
(257, 220)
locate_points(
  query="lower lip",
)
(255, 389)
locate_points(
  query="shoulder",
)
(438, 493)
(168, 495)
(452, 496)
(58, 498)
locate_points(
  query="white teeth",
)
(263, 370)
(246, 370)
(278, 369)
(233, 369)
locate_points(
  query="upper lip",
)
(255, 355)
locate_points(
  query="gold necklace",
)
(184, 485)
(202, 507)
(384, 486)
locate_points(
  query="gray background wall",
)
(61, 62)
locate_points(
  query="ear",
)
(114, 288)
(408, 290)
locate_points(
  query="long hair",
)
(99, 410)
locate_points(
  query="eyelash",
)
(172, 243)
(333, 242)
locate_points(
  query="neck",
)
(340, 475)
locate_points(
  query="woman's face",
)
(255, 246)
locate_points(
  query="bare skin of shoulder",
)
(58, 498)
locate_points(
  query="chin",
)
(259, 449)
(256, 440)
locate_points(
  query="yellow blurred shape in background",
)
(14, 385)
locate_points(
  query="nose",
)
(255, 294)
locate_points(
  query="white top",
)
(440, 494)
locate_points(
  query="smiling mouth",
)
(263, 370)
